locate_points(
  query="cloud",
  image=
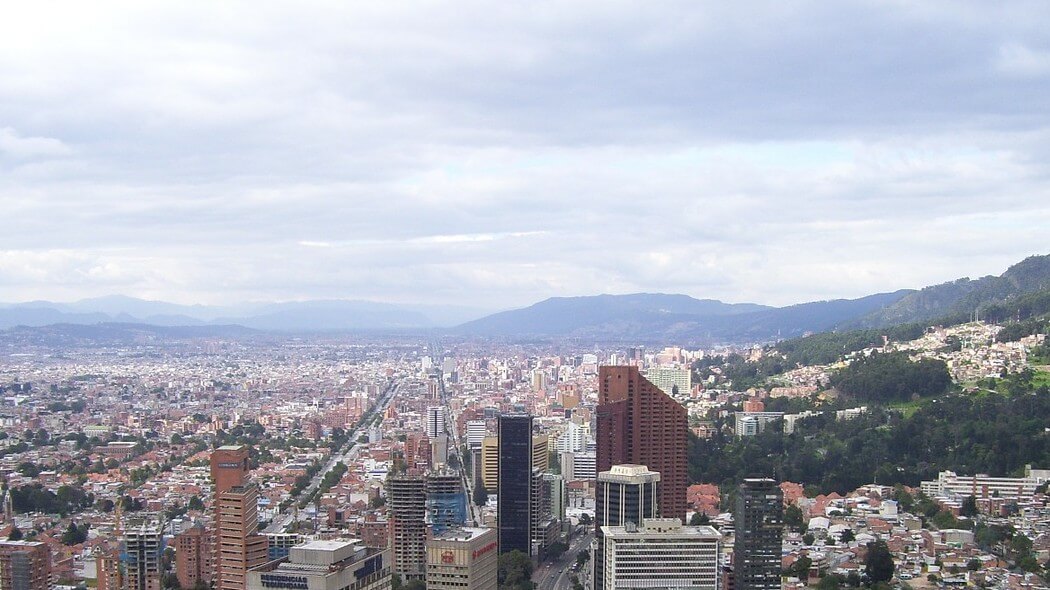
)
(16, 146)
(499, 154)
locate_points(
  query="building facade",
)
(641, 425)
(25, 565)
(463, 558)
(407, 502)
(628, 495)
(758, 523)
(143, 551)
(238, 544)
(193, 556)
(661, 553)
(325, 565)
(514, 516)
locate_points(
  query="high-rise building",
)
(758, 524)
(660, 553)
(446, 501)
(406, 498)
(109, 574)
(325, 565)
(143, 551)
(642, 425)
(490, 464)
(229, 467)
(25, 565)
(475, 434)
(671, 380)
(628, 494)
(435, 421)
(514, 517)
(540, 455)
(238, 544)
(462, 558)
(193, 556)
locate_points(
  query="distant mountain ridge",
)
(638, 317)
(647, 317)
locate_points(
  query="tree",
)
(878, 565)
(556, 550)
(847, 536)
(16, 534)
(800, 569)
(481, 495)
(793, 517)
(74, 535)
(415, 585)
(515, 571)
(195, 503)
(969, 507)
(698, 519)
(808, 538)
(830, 582)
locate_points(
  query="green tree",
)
(195, 503)
(793, 517)
(699, 519)
(969, 507)
(878, 565)
(808, 538)
(847, 536)
(515, 571)
(16, 534)
(830, 582)
(481, 495)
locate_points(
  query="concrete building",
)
(463, 558)
(661, 553)
(981, 486)
(752, 423)
(670, 380)
(279, 545)
(584, 465)
(476, 431)
(325, 565)
(407, 502)
(25, 565)
(143, 552)
(490, 464)
(435, 421)
(758, 523)
(446, 501)
(625, 494)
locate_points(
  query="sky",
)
(493, 154)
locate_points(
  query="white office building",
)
(435, 421)
(661, 553)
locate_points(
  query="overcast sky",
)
(495, 154)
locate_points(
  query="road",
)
(554, 575)
(347, 457)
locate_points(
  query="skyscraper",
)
(238, 546)
(143, 549)
(759, 523)
(435, 421)
(407, 501)
(514, 517)
(641, 425)
(626, 494)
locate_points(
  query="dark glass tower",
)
(514, 500)
(759, 524)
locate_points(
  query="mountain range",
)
(639, 317)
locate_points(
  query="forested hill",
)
(961, 297)
(995, 433)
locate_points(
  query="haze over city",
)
(493, 155)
